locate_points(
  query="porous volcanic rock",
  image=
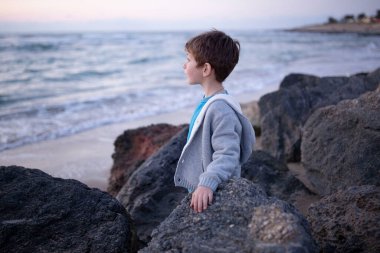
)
(347, 221)
(242, 218)
(149, 195)
(133, 147)
(275, 178)
(284, 112)
(40, 213)
(341, 144)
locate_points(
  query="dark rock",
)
(133, 147)
(39, 213)
(341, 144)
(149, 194)
(242, 218)
(284, 112)
(275, 178)
(348, 221)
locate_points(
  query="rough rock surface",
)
(284, 112)
(348, 221)
(133, 147)
(39, 213)
(275, 178)
(241, 219)
(341, 144)
(150, 195)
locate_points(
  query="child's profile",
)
(220, 137)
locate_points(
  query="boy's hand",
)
(201, 198)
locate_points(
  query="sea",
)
(54, 85)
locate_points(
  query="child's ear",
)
(207, 69)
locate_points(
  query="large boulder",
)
(341, 144)
(348, 221)
(242, 218)
(133, 147)
(149, 195)
(276, 179)
(39, 213)
(284, 112)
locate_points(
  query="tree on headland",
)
(332, 20)
(348, 19)
(361, 16)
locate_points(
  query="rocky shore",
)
(313, 185)
(363, 29)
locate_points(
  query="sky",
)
(156, 15)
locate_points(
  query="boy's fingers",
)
(205, 200)
(200, 202)
(195, 202)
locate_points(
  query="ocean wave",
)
(87, 74)
(373, 46)
(32, 47)
(145, 60)
(16, 80)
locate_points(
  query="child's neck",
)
(211, 87)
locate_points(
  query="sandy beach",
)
(87, 156)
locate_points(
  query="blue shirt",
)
(198, 110)
(196, 113)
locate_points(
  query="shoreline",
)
(355, 28)
(86, 156)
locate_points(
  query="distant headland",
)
(361, 24)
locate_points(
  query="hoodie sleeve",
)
(225, 142)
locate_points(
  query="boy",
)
(220, 138)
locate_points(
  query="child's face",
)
(193, 73)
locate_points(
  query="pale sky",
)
(108, 15)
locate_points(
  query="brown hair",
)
(217, 49)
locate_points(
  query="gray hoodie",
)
(221, 140)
